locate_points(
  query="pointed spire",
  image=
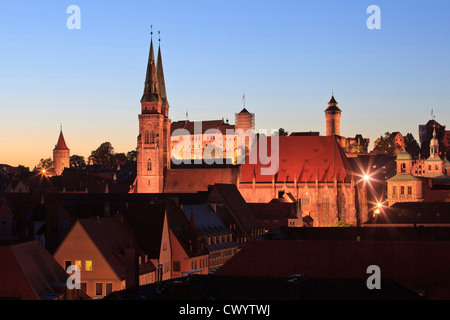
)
(332, 104)
(151, 87)
(160, 76)
(61, 144)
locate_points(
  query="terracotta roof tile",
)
(305, 158)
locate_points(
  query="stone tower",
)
(333, 118)
(244, 120)
(153, 154)
(61, 155)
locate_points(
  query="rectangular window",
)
(402, 190)
(67, 263)
(176, 266)
(409, 190)
(108, 288)
(394, 190)
(98, 289)
(78, 264)
(83, 286)
(88, 265)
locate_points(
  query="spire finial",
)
(159, 36)
(151, 30)
(60, 126)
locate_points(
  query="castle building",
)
(314, 171)
(61, 155)
(218, 138)
(351, 146)
(153, 153)
(333, 118)
(419, 180)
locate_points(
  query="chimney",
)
(131, 269)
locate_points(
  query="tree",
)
(77, 161)
(341, 224)
(411, 145)
(132, 155)
(355, 148)
(386, 144)
(45, 163)
(120, 156)
(104, 150)
(282, 132)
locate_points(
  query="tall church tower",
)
(153, 154)
(333, 118)
(61, 155)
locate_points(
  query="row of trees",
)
(105, 150)
(387, 144)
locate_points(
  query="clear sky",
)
(286, 56)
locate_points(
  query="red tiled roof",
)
(206, 125)
(303, 157)
(414, 264)
(28, 271)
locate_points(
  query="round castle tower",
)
(333, 118)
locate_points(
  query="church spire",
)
(151, 87)
(160, 76)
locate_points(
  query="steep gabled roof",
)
(236, 206)
(147, 222)
(30, 267)
(112, 236)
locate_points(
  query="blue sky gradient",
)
(286, 56)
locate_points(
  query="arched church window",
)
(146, 137)
(306, 200)
(152, 137)
(149, 164)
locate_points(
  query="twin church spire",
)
(155, 87)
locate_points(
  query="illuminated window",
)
(78, 264)
(88, 265)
